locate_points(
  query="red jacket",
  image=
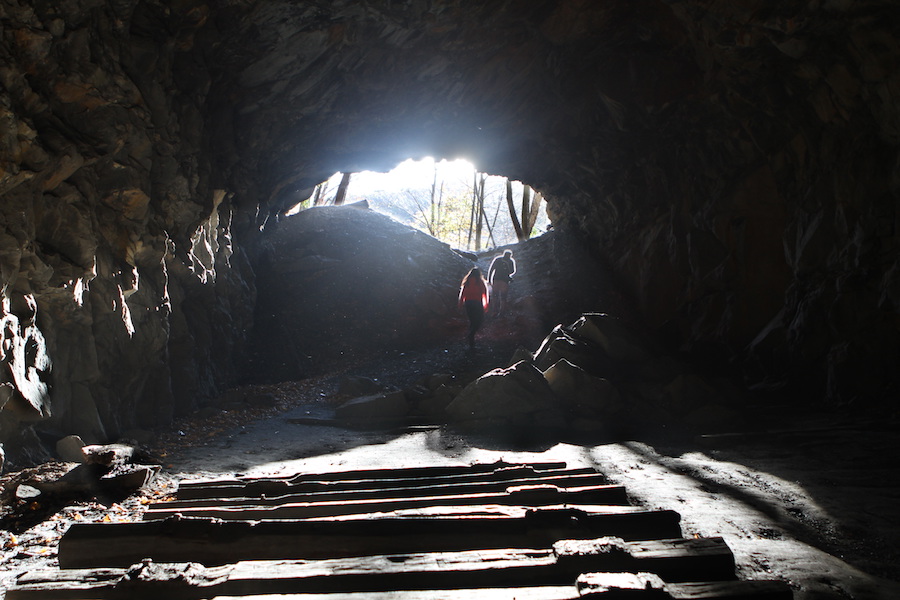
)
(474, 289)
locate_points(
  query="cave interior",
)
(731, 166)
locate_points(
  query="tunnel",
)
(728, 169)
(732, 165)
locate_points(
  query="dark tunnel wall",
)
(735, 163)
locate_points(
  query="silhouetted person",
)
(503, 267)
(473, 295)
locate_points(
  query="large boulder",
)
(560, 344)
(582, 394)
(514, 398)
(609, 333)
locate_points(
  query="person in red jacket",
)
(473, 295)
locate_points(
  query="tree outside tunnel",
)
(450, 200)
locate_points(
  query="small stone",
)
(69, 449)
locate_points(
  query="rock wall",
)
(123, 294)
(735, 164)
(754, 218)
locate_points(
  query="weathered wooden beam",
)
(238, 496)
(323, 481)
(217, 542)
(399, 472)
(613, 586)
(539, 495)
(673, 562)
(731, 590)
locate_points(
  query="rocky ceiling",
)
(735, 163)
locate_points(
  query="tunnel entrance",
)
(451, 200)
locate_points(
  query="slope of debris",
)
(338, 283)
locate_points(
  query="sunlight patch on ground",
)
(769, 523)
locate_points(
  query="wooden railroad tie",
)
(374, 479)
(479, 532)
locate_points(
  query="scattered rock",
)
(582, 394)
(514, 398)
(127, 478)
(617, 341)
(109, 455)
(561, 344)
(433, 406)
(70, 448)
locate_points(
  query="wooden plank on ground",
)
(732, 590)
(397, 472)
(671, 560)
(239, 497)
(217, 542)
(613, 586)
(534, 495)
(458, 573)
(310, 483)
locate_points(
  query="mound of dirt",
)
(340, 281)
(338, 284)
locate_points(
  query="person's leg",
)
(500, 290)
(476, 315)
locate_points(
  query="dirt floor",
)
(815, 502)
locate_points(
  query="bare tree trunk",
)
(432, 227)
(526, 206)
(512, 210)
(479, 223)
(317, 195)
(342, 189)
(472, 214)
(440, 203)
(490, 229)
(533, 213)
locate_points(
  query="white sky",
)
(410, 174)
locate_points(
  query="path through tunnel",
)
(724, 174)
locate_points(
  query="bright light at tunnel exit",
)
(410, 174)
(436, 197)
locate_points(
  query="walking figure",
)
(473, 295)
(503, 267)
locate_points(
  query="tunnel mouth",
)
(449, 199)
